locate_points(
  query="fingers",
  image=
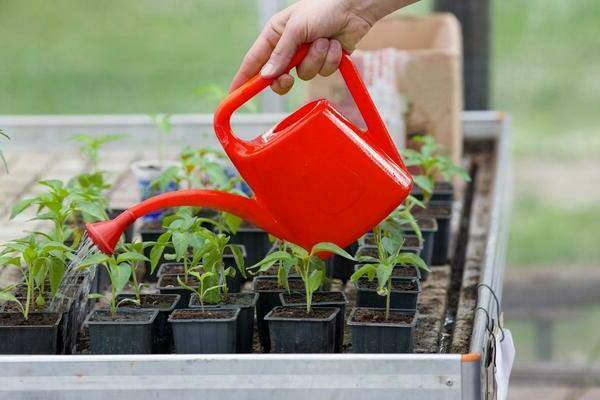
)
(261, 50)
(285, 49)
(314, 60)
(282, 84)
(333, 59)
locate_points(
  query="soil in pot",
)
(208, 331)
(165, 304)
(128, 331)
(340, 267)
(168, 284)
(36, 335)
(246, 303)
(322, 299)
(373, 333)
(293, 330)
(405, 294)
(442, 212)
(234, 284)
(268, 298)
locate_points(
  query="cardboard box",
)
(428, 75)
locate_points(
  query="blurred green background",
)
(147, 56)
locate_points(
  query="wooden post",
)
(474, 16)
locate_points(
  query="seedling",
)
(432, 165)
(38, 259)
(381, 267)
(204, 289)
(164, 128)
(90, 147)
(58, 204)
(400, 220)
(5, 136)
(120, 268)
(308, 265)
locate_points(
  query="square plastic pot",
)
(302, 335)
(320, 299)
(130, 332)
(382, 337)
(428, 227)
(163, 337)
(340, 267)
(442, 191)
(442, 212)
(246, 303)
(18, 336)
(197, 335)
(366, 294)
(267, 300)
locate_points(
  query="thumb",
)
(283, 52)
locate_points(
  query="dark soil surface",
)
(318, 297)
(242, 299)
(199, 314)
(395, 317)
(404, 272)
(167, 281)
(120, 316)
(152, 301)
(172, 269)
(299, 313)
(272, 285)
(17, 319)
(400, 285)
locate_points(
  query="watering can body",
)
(315, 176)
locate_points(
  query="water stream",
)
(72, 295)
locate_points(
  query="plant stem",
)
(387, 299)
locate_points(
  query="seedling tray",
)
(454, 371)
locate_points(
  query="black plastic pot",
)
(129, 331)
(428, 227)
(168, 284)
(246, 303)
(401, 271)
(267, 300)
(381, 336)
(199, 332)
(442, 191)
(323, 299)
(401, 297)
(255, 240)
(301, 334)
(165, 304)
(442, 212)
(341, 267)
(37, 335)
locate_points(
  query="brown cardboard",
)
(428, 73)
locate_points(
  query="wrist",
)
(373, 10)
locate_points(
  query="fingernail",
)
(322, 45)
(267, 70)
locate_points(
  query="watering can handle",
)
(375, 127)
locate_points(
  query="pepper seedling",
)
(431, 164)
(120, 267)
(389, 255)
(308, 265)
(37, 258)
(204, 289)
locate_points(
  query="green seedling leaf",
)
(384, 272)
(315, 280)
(95, 296)
(120, 276)
(131, 256)
(20, 207)
(330, 248)
(368, 269)
(94, 259)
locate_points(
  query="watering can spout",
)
(105, 234)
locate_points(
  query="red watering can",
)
(315, 176)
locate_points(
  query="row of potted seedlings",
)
(199, 258)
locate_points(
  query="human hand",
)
(331, 26)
